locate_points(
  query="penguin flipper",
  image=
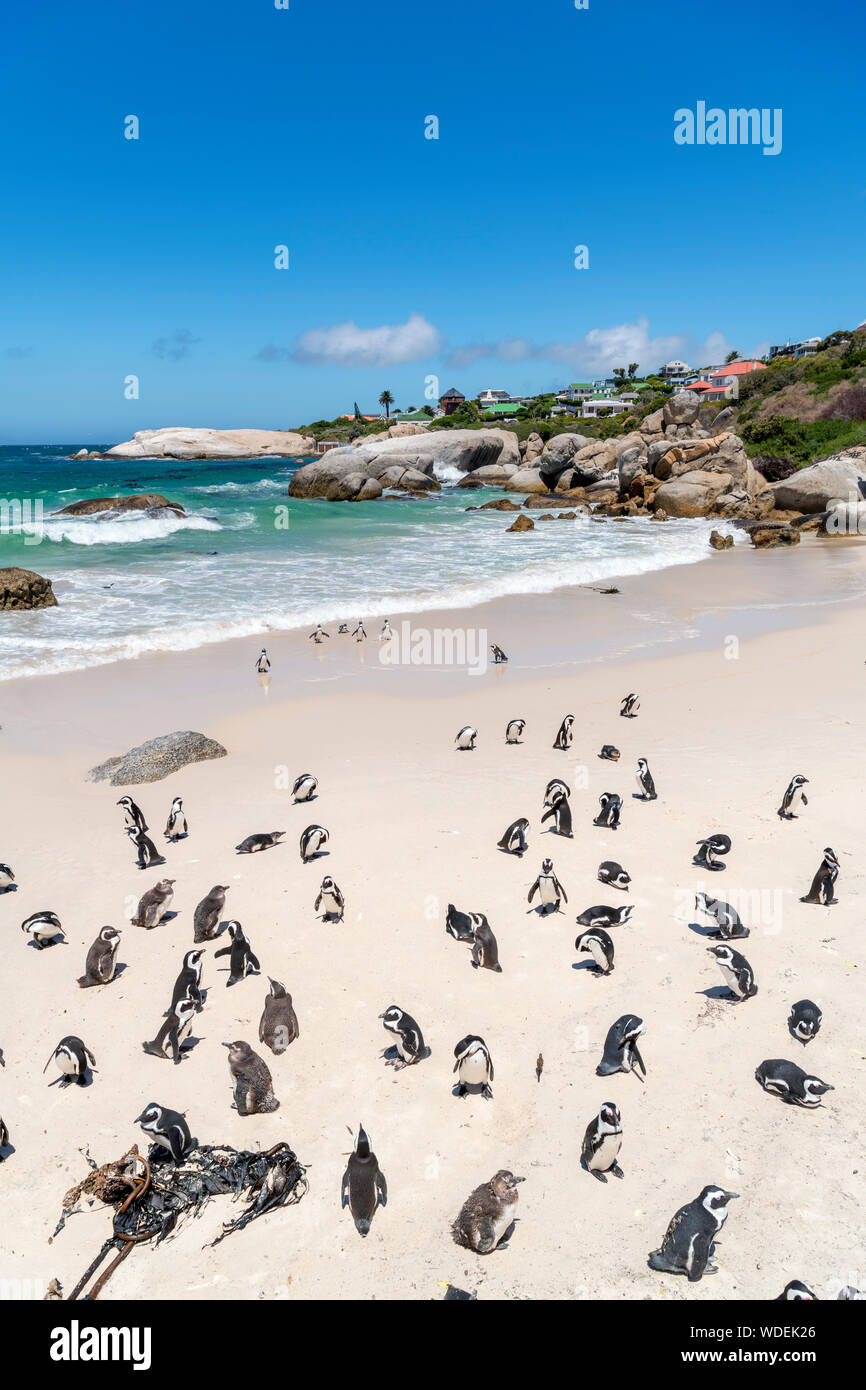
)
(253, 961)
(560, 890)
(226, 951)
(382, 1189)
(344, 1189)
(535, 887)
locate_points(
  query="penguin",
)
(254, 844)
(254, 1088)
(72, 1057)
(331, 899)
(175, 1030)
(166, 1129)
(404, 1033)
(602, 1143)
(146, 851)
(318, 634)
(188, 981)
(645, 781)
(611, 806)
(386, 634)
(43, 928)
(621, 1051)
(499, 657)
(465, 740)
(614, 875)
(603, 916)
(736, 971)
(460, 925)
(514, 839)
(485, 951)
(514, 730)
(804, 1020)
(791, 1083)
(363, 1188)
(488, 1214)
(565, 734)
(4, 1138)
(687, 1244)
(206, 918)
(304, 787)
(556, 789)
(154, 904)
(359, 634)
(709, 848)
(240, 953)
(848, 1294)
(548, 887)
(796, 1292)
(726, 917)
(176, 827)
(134, 814)
(474, 1066)
(101, 960)
(824, 882)
(598, 944)
(794, 798)
(278, 1026)
(560, 812)
(630, 706)
(7, 879)
(312, 840)
(263, 665)
(609, 753)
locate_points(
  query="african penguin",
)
(621, 1051)
(363, 1188)
(278, 1026)
(555, 789)
(736, 971)
(560, 812)
(167, 1129)
(254, 1088)
(263, 664)
(688, 1244)
(146, 851)
(645, 780)
(241, 958)
(794, 797)
(403, 1032)
(548, 887)
(72, 1057)
(597, 944)
(709, 848)
(174, 1030)
(726, 917)
(603, 916)
(359, 634)
(188, 981)
(485, 949)
(465, 740)
(43, 928)
(386, 634)
(514, 730)
(565, 734)
(101, 960)
(154, 904)
(611, 806)
(474, 1066)
(460, 925)
(134, 815)
(311, 842)
(206, 918)
(804, 1020)
(304, 787)
(824, 882)
(602, 1142)
(796, 1292)
(613, 874)
(331, 900)
(318, 634)
(343, 628)
(498, 654)
(514, 839)
(790, 1082)
(630, 706)
(254, 844)
(176, 827)
(488, 1213)
(609, 753)
(7, 879)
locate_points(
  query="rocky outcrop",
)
(181, 442)
(765, 537)
(720, 542)
(136, 502)
(522, 523)
(692, 494)
(439, 452)
(532, 447)
(157, 758)
(526, 480)
(681, 408)
(813, 489)
(23, 589)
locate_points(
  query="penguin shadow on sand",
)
(721, 993)
(392, 1057)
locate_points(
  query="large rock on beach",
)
(438, 452)
(157, 758)
(681, 408)
(813, 489)
(23, 589)
(183, 442)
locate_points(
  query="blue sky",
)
(452, 257)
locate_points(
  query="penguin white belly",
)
(606, 1153)
(796, 800)
(473, 1070)
(5, 879)
(598, 955)
(548, 892)
(731, 977)
(184, 1030)
(502, 1221)
(330, 904)
(66, 1064)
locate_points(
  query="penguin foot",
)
(153, 1050)
(617, 1171)
(597, 1174)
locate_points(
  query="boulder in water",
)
(23, 589)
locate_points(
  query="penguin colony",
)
(487, 1219)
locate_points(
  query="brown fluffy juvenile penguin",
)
(279, 1023)
(154, 904)
(206, 918)
(254, 1088)
(488, 1213)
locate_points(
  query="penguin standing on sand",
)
(602, 1143)
(101, 960)
(72, 1057)
(386, 634)
(549, 889)
(514, 730)
(485, 949)
(7, 879)
(363, 1188)
(630, 706)
(726, 918)
(176, 827)
(242, 960)
(736, 972)
(611, 806)
(565, 734)
(254, 844)
(688, 1241)
(188, 981)
(263, 665)
(311, 842)
(167, 1129)
(488, 1214)
(146, 851)
(709, 848)
(554, 789)
(465, 739)
(359, 634)
(621, 1051)
(824, 882)
(514, 839)
(134, 814)
(791, 1083)
(206, 918)
(304, 787)
(794, 797)
(254, 1087)
(175, 1030)
(278, 1026)
(406, 1036)
(331, 900)
(474, 1066)
(43, 928)
(318, 634)
(154, 904)
(560, 812)
(499, 657)
(645, 781)
(804, 1020)
(597, 944)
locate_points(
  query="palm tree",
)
(632, 369)
(732, 357)
(387, 400)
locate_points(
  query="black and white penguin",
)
(804, 1020)
(736, 971)
(146, 852)
(254, 844)
(514, 839)
(254, 1087)
(465, 740)
(824, 882)
(604, 916)
(688, 1241)
(514, 730)
(621, 1051)
(790, 1082)
(459, 924)
(206, 918)
(154, 904)
(263, 665)
(485, 948)
(188, 981)
(597, 944)
(614, 875)
(242, 960)
(176, 827)
(72, 1057)
(609, 753)
(278, 1026)
(134, 814)
(311, 842)
(498, 654)
(403, 1032)
(174, 1030)
(565, 734)
(101, 960)
(318, 634)
(560, 812)
(488, 1214)
(363, 1188)
(630, 706)
(167, 1129)
(359, 634)
(797, 1292)
(611, 806)
(474, 1066)
(304, 787)
(386, 634)
(7, 879)
(709, 848)
(548, 887)
(645, 780)
(43, 928)
(343, 628)
(602, 1143)
(555, 789)
(726, 918)
(331, 900)
(794, 797)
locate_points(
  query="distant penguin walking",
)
(146, 851)
(254, 844)
(630, 706)
(565, 734)
(304, 787)
(167, 1129)
(710, 850)
(386, 634)
(610, 806)
(72, 1057)
(559, 811)
(597, 944)
(154, 904)
(242, 960)
(254, 1087)
(736, 971)
(404, 1033)
(604, 916)
(363, 1188)
(646, 785)
(548, 887)
(804, 1020)
(485, 949)
(794, 798)
(488, 1214)
(101, 960)
(474, 1066)
(823, 887)
(7, 879)
(206, 918)
(176, 826)
(791, 1083)
(726, 918)
(43, 928)
(278, 1026)
(688, 1242)
(134, 814)
(359, 634)
(513, 840)
(175, 1030)
(312, 841)
(621, 1052)
(602, 1142)
(514, 730)
(330, 900)
(499, 657)
(319, 634)
(263, 665)
(465, 739)
(188, 981)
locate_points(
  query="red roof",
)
(738, 368)
(702, 386)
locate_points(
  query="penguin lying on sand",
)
(613, 874)
(603, 916)
(254, 844)
(791, 1083)
(804, 1020)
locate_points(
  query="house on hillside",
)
(807, 348)
(451, 401)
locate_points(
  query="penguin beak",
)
(731, 1195)
(227, 1044)
(514, 1180)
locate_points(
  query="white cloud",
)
(601, 349)
(347, 345)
